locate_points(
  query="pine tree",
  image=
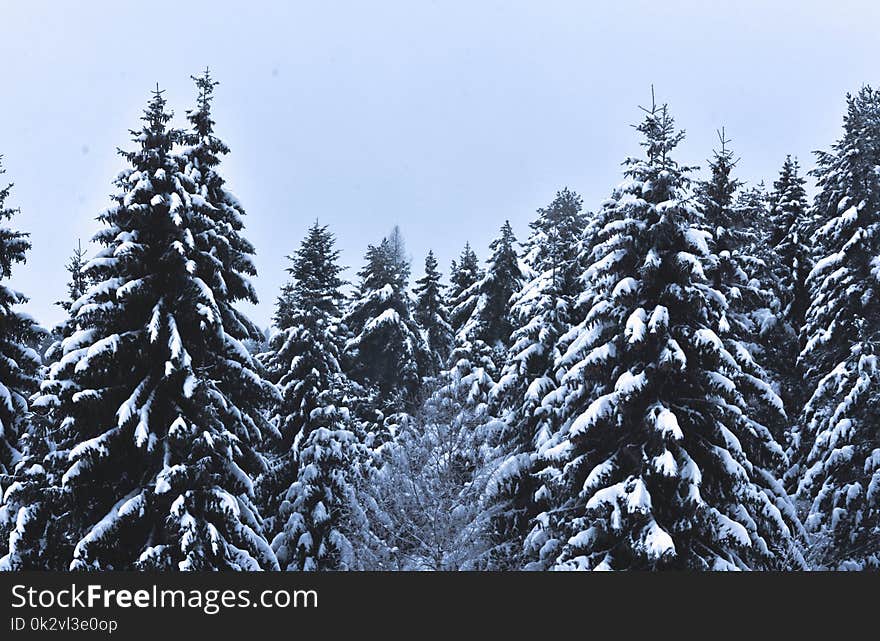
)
(838, 441)
(552, 245)
(483, 317)
(541, 314)
(45, 531)
(463, 275)
(303, 359)
(320, 511)
(432, 314)
(489, 319)
(156, 390)
(20, 362)
(386, 350)
(791, 241)
(753, 203)
(77, 284)
(731, 274)
(311, 486)
(657, 464)
(21, 517)
(76, 288)
(483, 310)
(738, 272)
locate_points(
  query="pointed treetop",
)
(201, 117)
(154, 133)
(658, 128)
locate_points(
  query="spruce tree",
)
(46, 522)
(312, 481)
(839, 442)
(22, 521)
(303, 359)
(657, 464)
(76, 287)
(158, 394)
(386, 350)
(541, 314)
(482, 310)
(463, 275)
(77, 284)
(753, 203)
(790, 238)
(737, 271)
(20, 363)
(432, 314)
(489, 319)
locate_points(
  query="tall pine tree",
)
(737, 271)
(20, 514)
(313, 479)
(160, 398)
(463, 275)
(658, 464)
(489, 319)
(541, 314)
(432, 314)
(20, 363)
(386, 350)
(790, 238)
(839, 442)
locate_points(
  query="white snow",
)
(665, 422)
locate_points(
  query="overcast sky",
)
(442, 117)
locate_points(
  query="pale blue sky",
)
(443, 117)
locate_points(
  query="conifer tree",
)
(159, 397)
(463, 275)
(45, 529)
(18, 374)
(21, 518)
(541, 314)
(76, 287)
(489, 319)
(483, 311)
(657, 463)
(482, 338)
(303, 359)
(386, 350)
(77, 284)
(737, 271)
(753, 203)
(790, 239)
(838, 441)
(432, 314)
(313, 478)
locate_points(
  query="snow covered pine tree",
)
(751, 329)
(386, 350)
(789, 262)
(432, 314)
(18, 376)
(541, 314)
(319, 453)
(791, 240)
(462, 275)
(481, 317)
(663, 468)
(157, 391)
(48, 520)
(838, 440)
(489, 298)
(21, 519)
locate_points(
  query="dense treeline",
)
(683, 378)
